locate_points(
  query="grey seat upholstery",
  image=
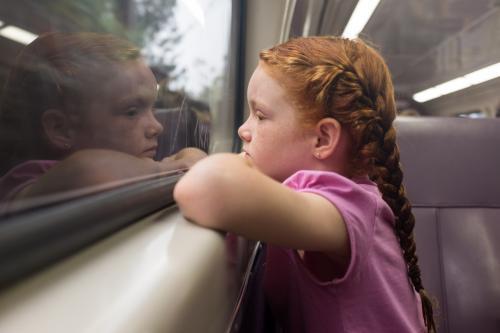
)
(452, 175)
(181, 129)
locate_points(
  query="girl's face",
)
(273, 138)
(120, 115)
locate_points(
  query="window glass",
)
(98, 93)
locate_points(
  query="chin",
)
(148, 154)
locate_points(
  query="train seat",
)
(182, 127)
(452, 176)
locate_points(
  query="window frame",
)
(33, 239)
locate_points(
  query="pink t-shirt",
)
(22, 175)
(374, 295)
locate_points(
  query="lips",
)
(150, 152)
(245, 153)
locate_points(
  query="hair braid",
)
(388, 176)
(375, 144)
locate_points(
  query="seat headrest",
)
(450, 161)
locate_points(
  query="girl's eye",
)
(259, 115)
(131, 112)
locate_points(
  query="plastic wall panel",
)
(162, 274)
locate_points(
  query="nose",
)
(244, 132)
(154, 127)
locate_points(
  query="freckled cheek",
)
(134, 136)
(126, 128)
(122, 136)
(265, 149)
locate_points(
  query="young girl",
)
(319, 180)
(78, 110)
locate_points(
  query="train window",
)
(103, 105)
(96, 94)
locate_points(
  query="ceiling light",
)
(484, 74)
(17, 34)
(360, 16)
(426, 95)
(462, 82)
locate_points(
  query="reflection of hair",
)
(349, 81)
(55, 71)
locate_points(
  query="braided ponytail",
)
(375, 152)
(349, 81)
(388, 176)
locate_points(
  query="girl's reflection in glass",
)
(81, 106)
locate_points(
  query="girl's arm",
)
(226, 192)
(92, 167)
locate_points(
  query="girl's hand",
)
(183, 159)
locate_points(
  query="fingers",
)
(185, 158)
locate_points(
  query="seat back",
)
(182, 128)
(452, 175)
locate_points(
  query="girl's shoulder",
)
(21, 176)
(358, 200)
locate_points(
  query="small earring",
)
(318, 155)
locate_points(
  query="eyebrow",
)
(260, 106)
(136, 100)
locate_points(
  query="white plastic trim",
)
(162, 274)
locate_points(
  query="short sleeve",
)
(21, 176)
(357, 204)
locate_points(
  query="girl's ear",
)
(328, 132)
(57, 128)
